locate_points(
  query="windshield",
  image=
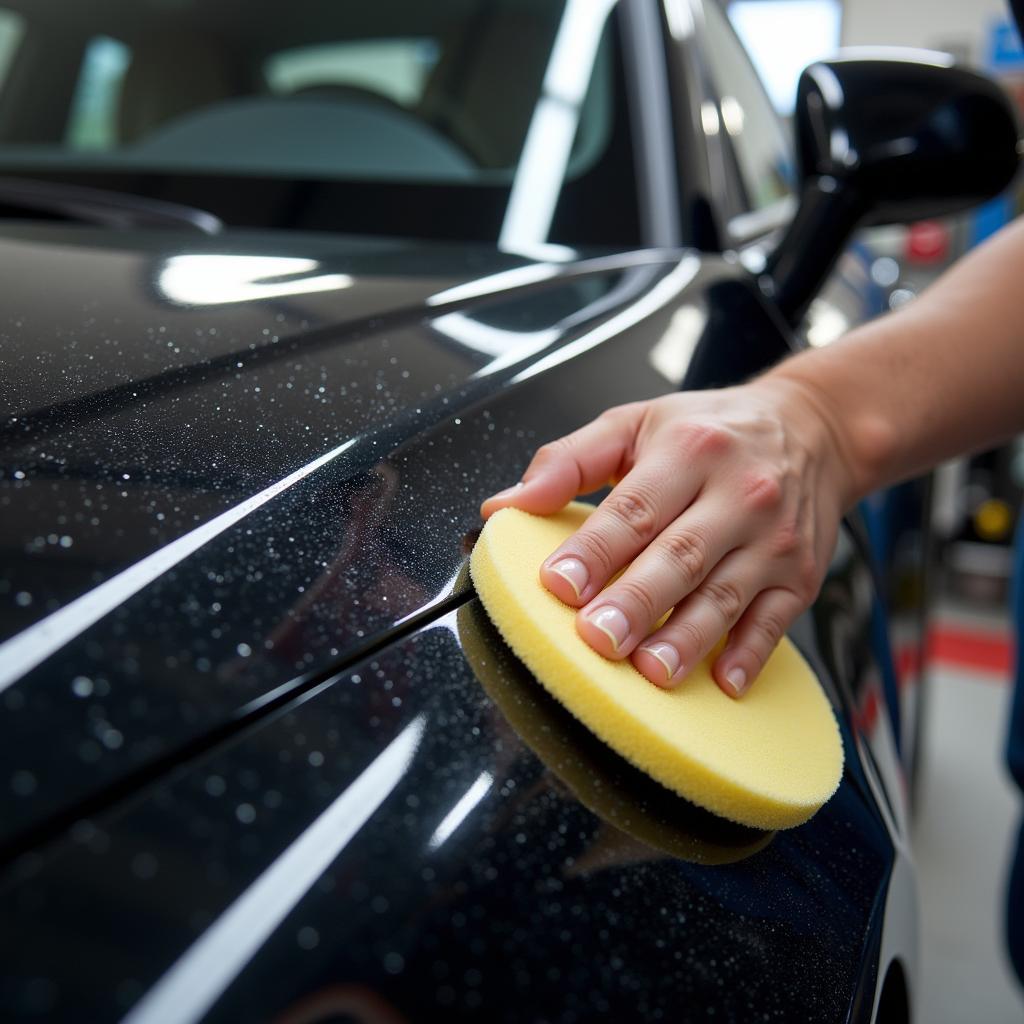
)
(492, 119)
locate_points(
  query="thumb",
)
(578, 463)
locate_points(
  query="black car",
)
(286, 291)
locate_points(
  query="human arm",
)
(727, 502)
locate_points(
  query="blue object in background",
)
(1004, 53)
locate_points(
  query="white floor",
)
(967, 821)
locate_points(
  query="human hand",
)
(727, 503)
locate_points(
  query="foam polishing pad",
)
(658, 821)
(769, 760)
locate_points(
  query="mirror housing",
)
(886, 137)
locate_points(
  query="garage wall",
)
(960, 25)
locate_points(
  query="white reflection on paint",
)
(210, 279)
(195, 982)
(679, 18)
(672, 354)
(458, 814)
(34, 645)
(517, 277)
(709, 117)
(826, 80)
(549, 139)
(732, 115)
(443, 594)
(490, 340)
(660, 295)
(506, 347)
(839, 148)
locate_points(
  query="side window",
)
(394, 68)
(93, 119)
(783, 37)
(12, 30)
(762, 152)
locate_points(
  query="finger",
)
(754, 637)
(647, 499)
(692, 630)
(578, 463)
(673, 565)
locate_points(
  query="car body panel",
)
(392, 833)
(229, 759)
(235, 531)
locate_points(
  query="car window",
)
(752, 127)
(501, 120)
(92, 119)
(352, 93)
(12, 30)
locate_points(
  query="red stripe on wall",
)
(980, 650)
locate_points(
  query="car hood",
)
(232, 466)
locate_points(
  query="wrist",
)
(853, 442)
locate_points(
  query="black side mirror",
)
(881, 140)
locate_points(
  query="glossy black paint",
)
(380, 537)
(886, 141)
(322, 570)
(531, 907)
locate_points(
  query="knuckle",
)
(761, 492)
(596, 550)
(614, 413)
(726, 596)
(687, 552)
(551, 450)
(689, 637)
(698, 439)
(638, 595)
(634, 508)
(768, 628)
(786, 541)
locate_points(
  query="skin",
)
(727, 503)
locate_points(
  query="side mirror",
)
(884, 139)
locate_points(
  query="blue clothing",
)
(1015, 741)
(1015, 760)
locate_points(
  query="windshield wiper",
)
(104, 207)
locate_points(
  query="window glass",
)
(92, 121)
(783, 37)
(12, 29)
(748, 118)
(389, 90)
(395, 68)
(496, 106)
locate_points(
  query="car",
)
(289, 289)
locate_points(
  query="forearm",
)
(943, 375)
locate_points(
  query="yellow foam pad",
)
(627, 800)
(769, 760)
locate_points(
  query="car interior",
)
(392, 90)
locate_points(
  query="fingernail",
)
(737, 679)
(612, 623)
(668, 656)
(507, 493)
(574, 572)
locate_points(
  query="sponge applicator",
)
(640, 818)
(769, 760)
